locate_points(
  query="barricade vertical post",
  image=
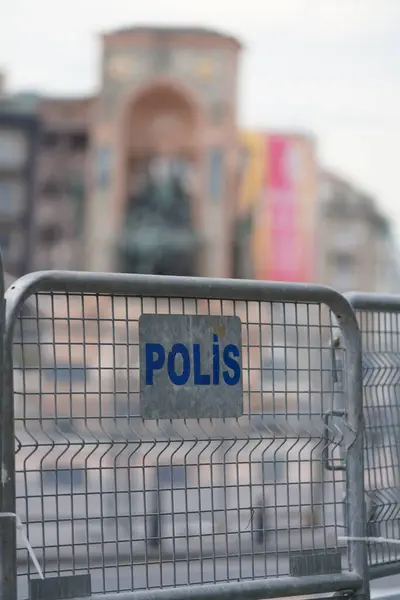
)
(8, 575)
(3, 559)
(354, 449)
(2, 319)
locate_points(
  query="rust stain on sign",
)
(220, 330)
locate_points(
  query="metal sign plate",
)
(190, 366)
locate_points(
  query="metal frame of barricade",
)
(6, 529)
(368, 307)
(354, 581)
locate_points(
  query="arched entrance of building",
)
(158, 234)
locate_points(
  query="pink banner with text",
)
(281, 205)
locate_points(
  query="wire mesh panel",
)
(379, 320)
(143, 504)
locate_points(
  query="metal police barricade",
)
(168, 437)
(379, 320)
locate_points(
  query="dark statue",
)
(158, 236)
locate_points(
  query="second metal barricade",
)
(379, 321)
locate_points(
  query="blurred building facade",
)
(62, 182)
(54, 176)
(153, 175)
(355, 241)
(142, 177)
(18, 149)
(164, 153)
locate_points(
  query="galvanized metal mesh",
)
(149, 504)
(381, 381)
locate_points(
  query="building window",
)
(13, 149)
(103, 166)
(215, 170)
(79, 142)
(170, 476)
(50, 139)
(273, 469)
(349, 236)
(11, 194)
(243, 163)
(68, 373)
(76, 185)
(72, 377)
(218, 112)
(50, 234)
(274, 369)
(66, 477)
(65, 425)
(343, 272)
(77, 192)
(5, 242)
(53, 188)
(162, 59)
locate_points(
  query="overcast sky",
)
(331, 67)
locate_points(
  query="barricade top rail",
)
(164, 286)
(373, 301)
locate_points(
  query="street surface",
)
(384, 585)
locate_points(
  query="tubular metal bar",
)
(246, 590)
(380, 570)
(374, 302)
(355, 454)
(8, 562)
(165, 286)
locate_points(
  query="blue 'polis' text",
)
(183, 360)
